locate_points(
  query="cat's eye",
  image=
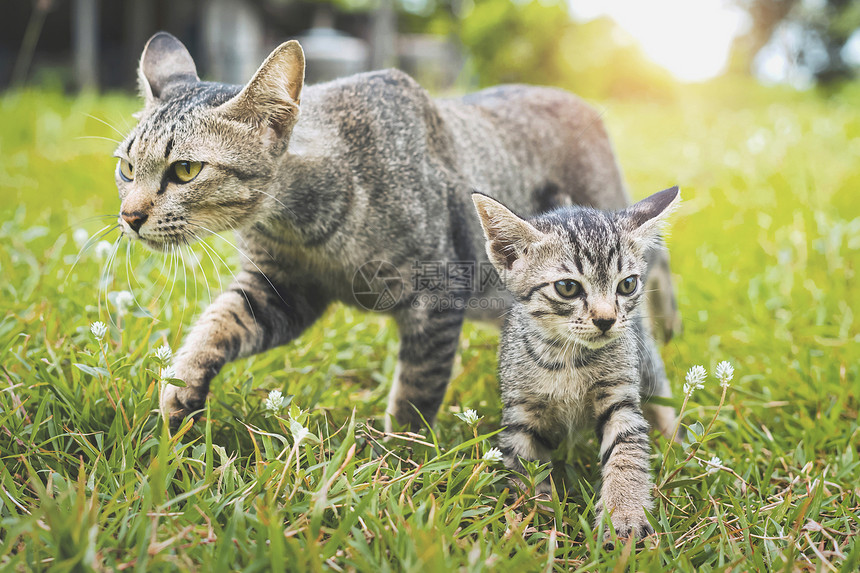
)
(185, 171)
(126, 170)
(568, 288)
(628, 285)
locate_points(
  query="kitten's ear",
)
(508, 236)
(164, 61)
(648, 216)
(271, 98)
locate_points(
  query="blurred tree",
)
(537, 42)
(820, 30)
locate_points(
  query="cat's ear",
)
(271, 98)
(164, 61)
(508, 236)
(648, 216)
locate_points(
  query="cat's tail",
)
(662, 304)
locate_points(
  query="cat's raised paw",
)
(177, 403)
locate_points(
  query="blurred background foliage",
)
(446, 44)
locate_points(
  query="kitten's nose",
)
(603, 324)
(135, 220)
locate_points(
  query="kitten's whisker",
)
(197, 263)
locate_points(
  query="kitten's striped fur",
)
(565, 362)
(318, 181)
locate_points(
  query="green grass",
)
(765, 249)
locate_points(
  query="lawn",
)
(765, 250)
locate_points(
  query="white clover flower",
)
(123, 301)
(103, 249)
(493, 455)
(714, 465)
(163, 353)
(469, 416)
(80, 236)
(275, 401)
(168, 372)
(695, 379)
(725, 372)
(299, 432)
(99, 329)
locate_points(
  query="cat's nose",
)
(135, 220)
(603, 324)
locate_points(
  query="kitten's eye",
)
(185, 171)
(628, 285)
(126, 170)
(568, 288)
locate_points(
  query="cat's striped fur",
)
(569, 361)
(316, 182)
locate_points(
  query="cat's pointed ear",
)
(271, 98)
(165, 61)
(648, 216)
(508, 236)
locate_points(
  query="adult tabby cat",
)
(371, 169)
(573, 348)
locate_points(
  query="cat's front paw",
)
(178, 402)
(627, 523)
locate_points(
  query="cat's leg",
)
(429, 338)
(655, 384)
(250, 317)
(662, 306)
(625, 459)
(528, 436)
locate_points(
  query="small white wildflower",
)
(124, 300)
(80, 236)
(299, 432)
(163, 353)
(714, 465)
(695, 379)
(725, 372)
(469, 416)
(99, 329)
(493, 455)
(275, 401)
(168, 372)
(103, 249)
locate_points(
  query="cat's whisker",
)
(97, 236)
(241, 252)
(184, 283)
(235, 279)
(128, 274)
(106, 276)
(115, 141)
(203, 245)
(276, 199)
(100, 120)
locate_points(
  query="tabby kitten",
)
(574, 348)
(317, 181)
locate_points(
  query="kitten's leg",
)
(526, 436)
(428, 346)
(248, 318)
(624, 454)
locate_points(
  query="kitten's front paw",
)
(178, 402)
(627, 523)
